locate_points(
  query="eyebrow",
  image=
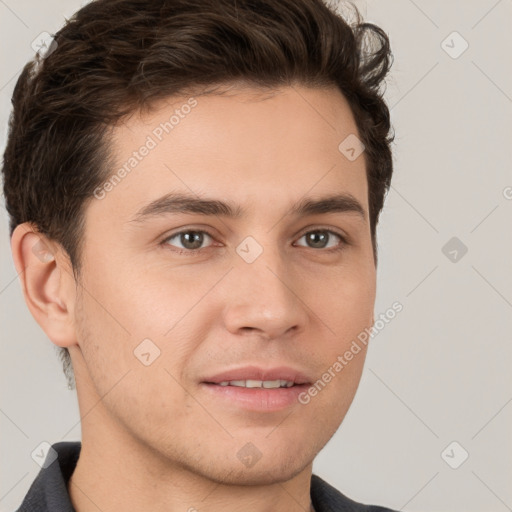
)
(176, 203)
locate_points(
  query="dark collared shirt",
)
(48, 492)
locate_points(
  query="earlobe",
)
(44, 281)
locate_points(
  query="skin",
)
(163, 443)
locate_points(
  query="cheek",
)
(149, 300)
(141, 326)
(103, 341)
(345, 307)
(344, 303)
(134, 392)
(334, 390)
(126, 305)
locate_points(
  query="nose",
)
(266, 297)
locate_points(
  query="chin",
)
(268, 474)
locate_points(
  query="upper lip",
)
(257, 373)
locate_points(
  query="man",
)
(194, 189)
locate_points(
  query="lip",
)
(255, 399)
(253, 372)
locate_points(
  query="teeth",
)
(272, 383)
(258, 383)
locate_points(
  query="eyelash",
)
(195, 252)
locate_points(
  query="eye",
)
(190, 240)
(319, 239)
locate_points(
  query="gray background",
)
(440, 371)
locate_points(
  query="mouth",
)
(254, 396)
(249, 383)
(255, 388)
(257, 377)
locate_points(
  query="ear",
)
(47, 283)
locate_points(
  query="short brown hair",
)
(114, 57)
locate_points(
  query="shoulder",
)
(326, 498)
(49, 490)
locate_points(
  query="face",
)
(174, 297)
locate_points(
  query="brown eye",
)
(190, 240)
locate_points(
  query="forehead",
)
(262, 147)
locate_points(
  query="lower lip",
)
(257, 399)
